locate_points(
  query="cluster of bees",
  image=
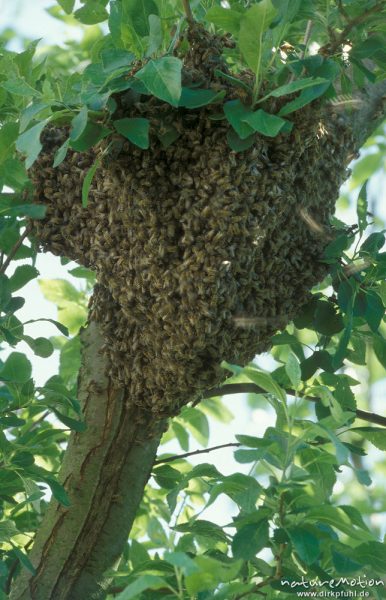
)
(201, 253)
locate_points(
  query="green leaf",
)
(250, 539)
(212, 572)
(137, 14)
(233, 80)
(28, 143)
(58, 492)
(248, 456)
(61, 153)
(373, 243)
(374, 311)
(166, 476)
(61, 327)
(194, 98)
(135, 129)
(375, 435)
(83, 273)
(372, 554)
(341, 350)
(379, 346)
(8, 135)
(73, 316)
(155, 34)
(41, 346)
(306, 97)
(265, 381)
(327, 321)
(321, 468)
(183, 561)
(142, 583)
(58, 291)
(343, 563)
(114, 59)
(162, 78)
(266, 124)
(237, 144)
(67, 5)
(362, 207)
(197, 423)
(30, 112)
(78, 124)
(288, 9)
(20, 87)
(251, 441)
(69, 422)
(306, 544)
(293, 370)
(8, 530)
(341, 450)
(70, 361)
(363, 476)
(16, 369)
(225, 18)
(237, 115)
(22, 275)
(203, 528)
(295, 86)
(87, 182)
(23, 558)
(253, 25)
(181, 435)
(92, 13)
(92, 135)
(337, 518)
(242, 489)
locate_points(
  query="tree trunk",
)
(104, 472)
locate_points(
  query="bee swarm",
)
(201, 253)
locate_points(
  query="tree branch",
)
(252, 388)
(205, 451)
(188, 11)
(341, 39)
(14, 249)
(371, 114)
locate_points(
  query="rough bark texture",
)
(104, 472)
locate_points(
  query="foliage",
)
(287, 523)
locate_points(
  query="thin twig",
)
(34, 423)
(279, 559)
(257, 587)
(188, 12)
(178, 456)
(15, 248)
(340, 39)
(252, 388)
(342, 10)
(306, 39)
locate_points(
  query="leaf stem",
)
(14, 249)
(188, 11)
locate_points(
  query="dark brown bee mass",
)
(201, 253)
